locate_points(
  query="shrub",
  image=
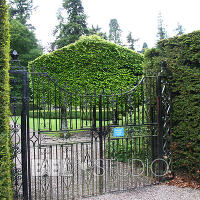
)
(91, 63)
(125, 149)
(182, 55)
(5, 157)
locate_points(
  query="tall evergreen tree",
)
(179, 30)
(21, 10)
(144, 46)
(97, 31)
(76, 25)
(131, 41)
(115, 32)
(162, 33)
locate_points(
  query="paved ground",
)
(159, 192)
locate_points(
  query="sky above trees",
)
(138, 17)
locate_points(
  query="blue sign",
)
(118, 132)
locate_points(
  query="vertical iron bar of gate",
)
(100, 145)
(152, 116)
(94, 112)
(160, 126)
(28, 134)
(24, 139)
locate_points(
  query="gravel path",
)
(158, 192)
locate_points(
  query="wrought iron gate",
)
(69, 145)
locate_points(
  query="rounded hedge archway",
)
(92, 63)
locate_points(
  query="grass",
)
(49, 122)
(55, 124)
(72, 114)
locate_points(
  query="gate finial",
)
(14, 55)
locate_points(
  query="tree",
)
(131, 41)
(21, 10)
(97, 31)
(24, 42)
(115, 32)
(144, 46)
(23, 39)
(180, 30)
(75, 27)
(162, 34)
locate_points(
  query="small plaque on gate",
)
(118, 132)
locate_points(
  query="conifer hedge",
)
(182, 55)
(5, 157)
(91, 63)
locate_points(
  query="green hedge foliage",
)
(182, 55)
(5, 157)
(91, 63)
(124, 150)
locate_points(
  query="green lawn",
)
(50, 124)
(55, 124)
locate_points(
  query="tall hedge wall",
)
(91, 63)
(5, 158)
(182, 55)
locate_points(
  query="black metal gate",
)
(69, 145)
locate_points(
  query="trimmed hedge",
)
(182, 55)
(5, 157)
(92, 63)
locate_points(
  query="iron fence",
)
(66, 144)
